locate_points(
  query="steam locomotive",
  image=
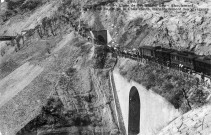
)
(184, 60)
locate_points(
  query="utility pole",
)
(79, 25)
(81, 10)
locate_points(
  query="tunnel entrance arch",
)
(134, 112)
(101, 40)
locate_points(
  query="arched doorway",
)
(134, 112)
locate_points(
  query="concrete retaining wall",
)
(117, 105)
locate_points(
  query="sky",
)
(2, 1)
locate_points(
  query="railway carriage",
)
(203, 65)
(162, 56)
(147, 52)
(183, 60)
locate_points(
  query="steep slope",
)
(194, 122)
(75, 75)
(181, 28)
(178, 25)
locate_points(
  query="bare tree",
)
(81, 3)
(19, 41)
(3, 51)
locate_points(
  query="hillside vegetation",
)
(183, 91)
(72, 94)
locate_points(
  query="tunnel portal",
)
(101, 39)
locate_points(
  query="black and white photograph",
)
(105, 67)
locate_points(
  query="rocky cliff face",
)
(3, 6)
(196, 121)
(178, 24)
(81, 101)
(180, 27)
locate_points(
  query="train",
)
(184, 60)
